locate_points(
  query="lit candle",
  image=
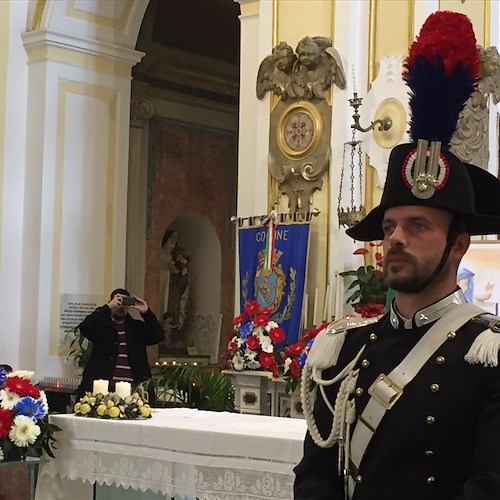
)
(122, 389)
(100, 387)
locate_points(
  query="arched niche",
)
(199, 240)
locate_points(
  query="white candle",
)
(304, 311)
(100, 387)
(353, 79)
(325, 305)
(315, 307)
(122, 389)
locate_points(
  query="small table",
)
(180, 451)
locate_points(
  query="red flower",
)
(238, 319)
(295, 349)
(295, 368)
(20, 386)
(232, 347)
(378, 257)
(261, 320)
(253, 342)
(360, 251)
(277, 334)
(252, 307)
(369, 310)
(268, 360)
(267, 311)
(5, 422)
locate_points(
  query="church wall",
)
(13, 108)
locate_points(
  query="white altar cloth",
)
(184, 452)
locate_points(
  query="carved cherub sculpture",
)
(275, 71)
(317, 68)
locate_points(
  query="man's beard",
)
(118, 314)
(411, 282)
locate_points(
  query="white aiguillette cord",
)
(386, 390)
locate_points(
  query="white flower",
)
(250, 355)
(8, 399)
(258, 330)
(23, 431)
(238, 362)
(253, 364)
(21, 373)
(239, 342)
(288, 362)
(271, 325)
(1, 454)
(43, 400)
(266, 344)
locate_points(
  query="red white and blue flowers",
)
(254, 344)
(23, 416)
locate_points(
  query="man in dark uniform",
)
(408, 408)
(119, 342)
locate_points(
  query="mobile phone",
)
(128, 301)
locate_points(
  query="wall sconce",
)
(352, 214)
(384, 123)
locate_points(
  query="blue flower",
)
(30, 407)
(302, 359)
(3, 375)
(246, 330)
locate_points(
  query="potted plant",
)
(79, 349)
(369, 289)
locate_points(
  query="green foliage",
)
(368, 286)
(202, 388)
(79, 348)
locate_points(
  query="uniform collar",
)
(428, 314)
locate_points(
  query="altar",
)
(180, 452)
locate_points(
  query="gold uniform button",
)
(359, 478)
(440, 360)
(429, 453)
(452, 335)
(430, 419)
(359, 391)
(434, 388)
(431, 480)
(373, 337)
(365, 363)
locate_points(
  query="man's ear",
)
(461, 245)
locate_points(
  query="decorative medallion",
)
(299, 130)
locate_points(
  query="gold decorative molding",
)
(37, 17)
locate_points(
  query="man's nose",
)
(397, 237)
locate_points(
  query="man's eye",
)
(387, 228)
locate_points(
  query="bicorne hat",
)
(441, 71)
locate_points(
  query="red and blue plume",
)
(442, 70)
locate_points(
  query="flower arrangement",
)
(112, 406)
(295, 356)
(23, 417)
(254, 343)
(370, 291)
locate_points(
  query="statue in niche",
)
(174, 291)
(306, 75)
(470, 141)
(275, 71)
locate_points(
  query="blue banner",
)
(281, 288)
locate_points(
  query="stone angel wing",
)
(338, 73)
(265, 77)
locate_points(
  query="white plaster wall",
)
(13, 151)
(256, 43)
